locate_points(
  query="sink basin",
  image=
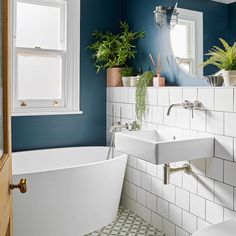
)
(162, 147)
(226, 228)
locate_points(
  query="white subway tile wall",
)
(207, 97)
(189, 222)
(224, 99)
(176, 95)
(230, 128)
(197, 205)
(190, 202)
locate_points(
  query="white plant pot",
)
(133, 81)
(126, 81)
(229, 78)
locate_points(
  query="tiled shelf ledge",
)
(189, 203)
(213, 98)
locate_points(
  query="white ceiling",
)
(225, 1)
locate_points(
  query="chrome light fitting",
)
(166, 16)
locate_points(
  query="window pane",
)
(179, 36)
(39, 76)
(38, 26)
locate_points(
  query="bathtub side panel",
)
(69, 202)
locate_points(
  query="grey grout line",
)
(151, 122)
(169, 219)
(184, 190)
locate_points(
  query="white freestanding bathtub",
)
(71, 191)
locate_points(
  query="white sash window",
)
(45, 56)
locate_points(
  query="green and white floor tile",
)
(127, 224)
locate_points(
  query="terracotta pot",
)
(114, 78)
(158, 81)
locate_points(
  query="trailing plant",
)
(141, 96)
(127, 71)
(114, 50)
(224, 59)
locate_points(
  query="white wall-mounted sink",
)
(162, 147)
(227, 228)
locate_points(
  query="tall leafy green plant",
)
(114, 50)
(223, 58)
(141, 96)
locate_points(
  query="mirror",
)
(197, 31)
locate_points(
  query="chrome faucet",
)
(115, 128)
(134, 126)
(186, 105)
(119, 126)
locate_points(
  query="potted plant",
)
(224, 59)
(127, 73)
(112, 51)
(141, 96)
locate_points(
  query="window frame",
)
(196, 38)
(190, 26)
(70, 102)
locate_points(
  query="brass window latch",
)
(23, 104)
(55, 103)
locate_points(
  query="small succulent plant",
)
(127, 71)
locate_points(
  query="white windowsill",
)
(46, 113)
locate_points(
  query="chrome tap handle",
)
(187, 104)
(134, 126)
(197, 105)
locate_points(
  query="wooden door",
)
(5, 129)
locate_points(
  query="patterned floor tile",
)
(127, 224)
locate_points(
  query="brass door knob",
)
(22, 186)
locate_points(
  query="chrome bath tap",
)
(119, 126)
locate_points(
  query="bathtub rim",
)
(120, 156)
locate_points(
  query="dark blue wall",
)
(90, 128)
(75, 130)
(232, 20)
(139, 14)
